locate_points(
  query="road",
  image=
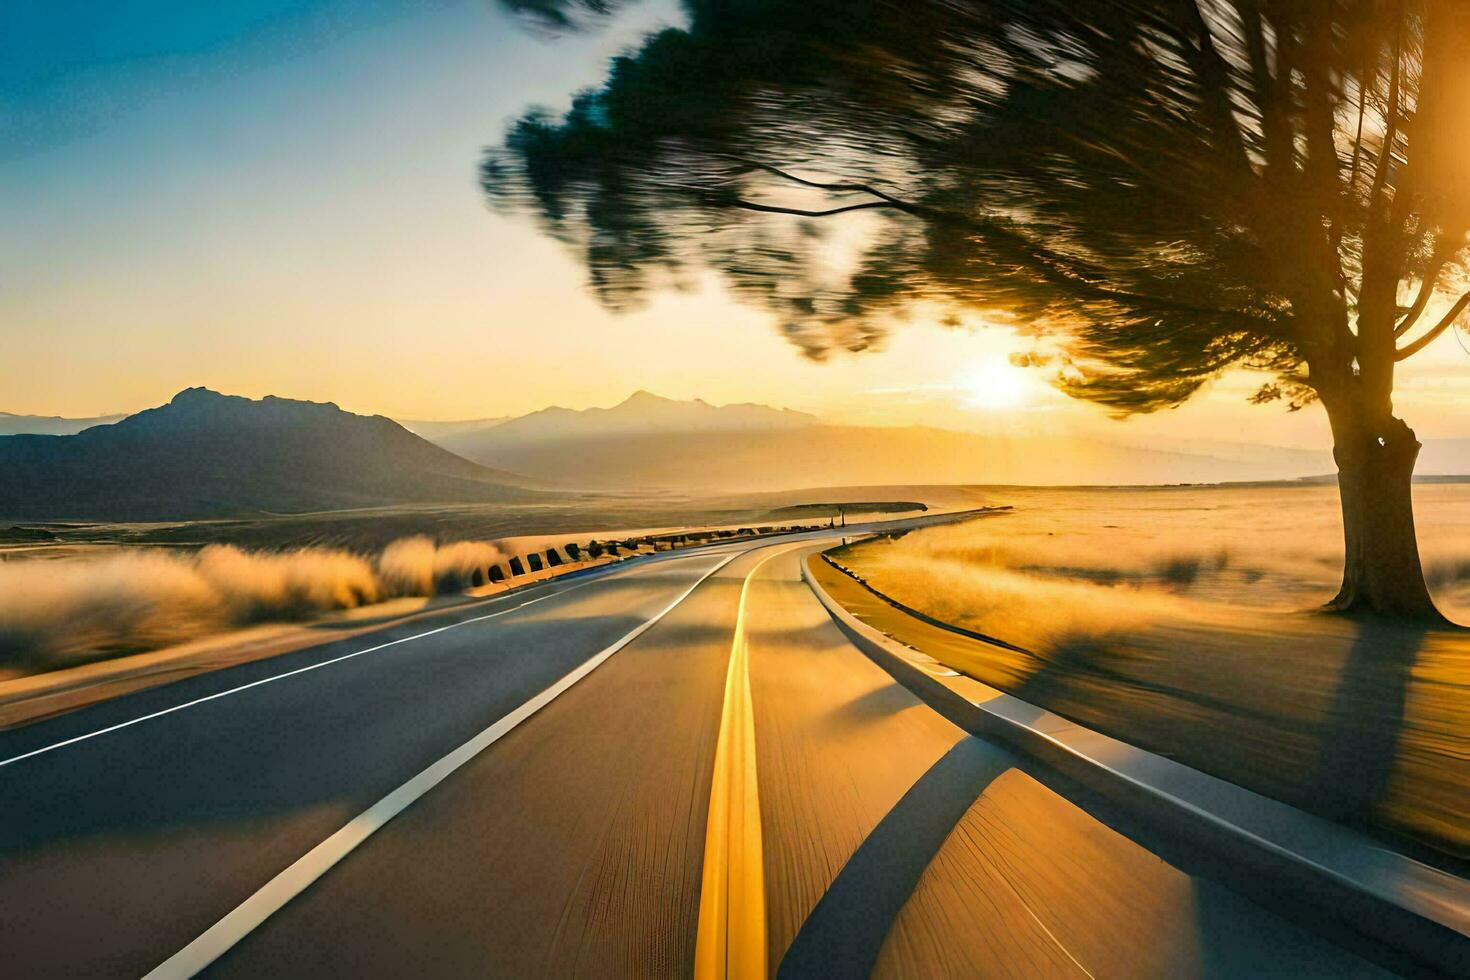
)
(673, 762)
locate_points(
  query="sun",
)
(995, 384)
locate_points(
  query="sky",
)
(279, 197)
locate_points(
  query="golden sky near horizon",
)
(308, 225)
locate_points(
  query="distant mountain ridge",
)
(648, 442)
(828, 455)
(210, 455)
(205, 454)
(1444, 457)
(433, 430)
(641, 413)
(50, 425)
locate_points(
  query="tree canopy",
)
(1161, 188)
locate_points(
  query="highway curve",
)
(523, 787)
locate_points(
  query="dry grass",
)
(1030, 610)
(1181, 621)
(66, 611)
(1277, 548)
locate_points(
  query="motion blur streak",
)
(56, 612)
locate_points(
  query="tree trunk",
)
(1381, 570)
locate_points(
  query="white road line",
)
(290, 673)
(239, 923)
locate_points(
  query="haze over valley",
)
(204, 454)
(652, 442)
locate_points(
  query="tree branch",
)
(884, 200)
(1213, 74)
(1356, 167)
(1391, 121)
(840, 186)
(1286, 63)
(1426, 290)
(1319, 125)
(1348, 189)
(1044, 262)
(773, 209)
(1405, 353)
(1070, 273)
(1275, 126)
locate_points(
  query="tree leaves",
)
(1162, 189)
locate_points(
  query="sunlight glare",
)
(995, 384)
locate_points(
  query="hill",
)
(210, 455)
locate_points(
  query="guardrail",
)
(1413, 917)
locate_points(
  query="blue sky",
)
(73, 66)
(278, 197)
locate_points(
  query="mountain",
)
(649, 442)
(50, 425)
(1280, 459)
(210, 455)
(434, 431)
(641, 414)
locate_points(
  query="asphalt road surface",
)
(675, 762)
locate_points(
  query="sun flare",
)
(995, 384)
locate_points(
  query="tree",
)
(1155, 190)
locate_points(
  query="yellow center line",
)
(731, 941)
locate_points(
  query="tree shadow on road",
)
(1360, 734)
(845, 931)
